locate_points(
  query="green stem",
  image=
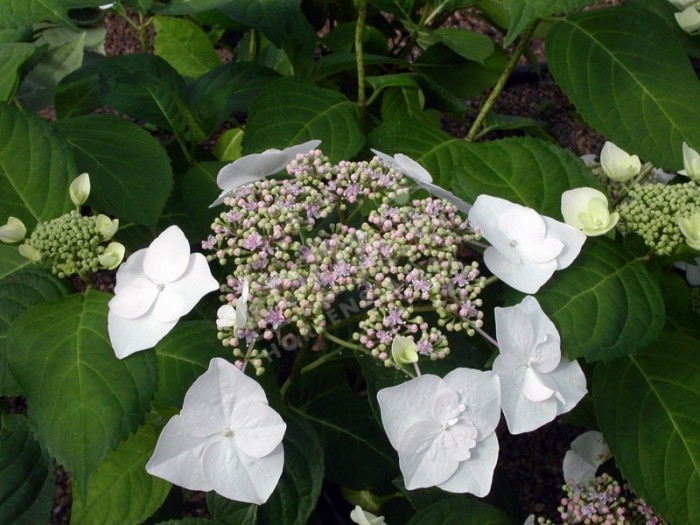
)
(490, 280)
(343, 343)
(296, 369)
(498, 88)
(359, 52)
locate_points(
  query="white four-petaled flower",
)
(526, 247)
(155, 287)
(588, 451)
(257, 166)
(443, 429)
(617, 164)
(422, 178)
(537, 383)
(226, 438)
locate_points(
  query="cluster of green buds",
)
(72, 243)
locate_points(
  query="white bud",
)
(106, 227)
(29, 252)
(403, 350)
(13, 231)
(587, 210)
(691, 163)
(688, 19)
(79, 189)
(690, 228)
(112, 256)
(618, 164)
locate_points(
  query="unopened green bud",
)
(13, 231)
(79, 189)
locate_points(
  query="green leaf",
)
(121, 491)
(460, 510)
(467, 44)
(64, 56)
(27, 479)
(184, 46)
(12, 58)
(606, 304)
(199, 190)
(35, 168)
(524, 170)
(357, 452)
(11, 261)
(78, 93)
(407, 103)
(182, 357)
(19, 291)
(291, 111)
(283, 23)
(188, 7)
(23, 13)
(630, 55)
(82, 399)
(229, 146)
(647, 406)
(522, 12)
(129, 170)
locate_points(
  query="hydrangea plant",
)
(275, 278)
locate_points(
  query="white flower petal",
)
(412, 169)
(480, 393)
(572, 238)
(194, 283)
(571, 384)
(523, 415)
(362, 517)
(429, 465)
(226, 317)
(167, 257)
(135, 299)
(524, 278)
(132, 335)
(130, 270)
(178, 457)
(588, 452)
(257, 428)
(537, 387)
(476, 474)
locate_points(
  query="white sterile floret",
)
(526, 247)
(404, 350)
(690, 228)
(230, 317)
(537, 383)
(362, 517)
(13, 231)
(444, 429)
(226, 438)
(617, 164)
(422, 178)
(586, 209)
(257, 166)
(588, 452)
(155, 287)
(691, 163)
(688, 19)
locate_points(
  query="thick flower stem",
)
(359, 52)
(498, 88)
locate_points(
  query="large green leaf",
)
(188, 7)
(35, 168)
(19, 291)
(606, 304)
(23, 13)
(647, 406)
(291, 111)
(82, 399)
(522, 12)
(630, 79)
(78, 93)
(184, 356)
(129, 170)
(185, 46)
(12, 58)
(460, 510)
(524, 170)
(26, 475)
(199, 190)
(11, 261)
(467, 44)
(283, 23)
(121, 491)
(356, 450)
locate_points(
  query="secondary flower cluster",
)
(401, 259)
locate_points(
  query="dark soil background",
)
(532, 461)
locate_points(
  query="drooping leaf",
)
(129, 170)
(184, 356)
(646, 404)
(26, 475)
(35, 168)
(24, 13)
(121, 491)
(630, 55)
(12, 58)
(19, 291)
(291, 111)
(467, 44)
(82, 399)
(522, 12)
(184, 46)
(605, 305)
(460, 510)
(357, 453)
